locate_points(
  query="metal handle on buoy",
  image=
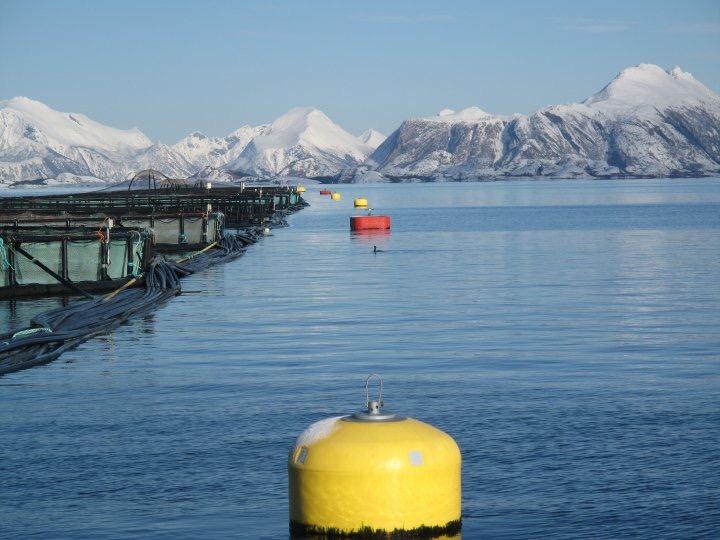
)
(373, 406)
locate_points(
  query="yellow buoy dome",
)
(361, 203)
(300, 189)
(335, 196)
(374, 471)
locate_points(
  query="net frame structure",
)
(55, 260)
(194, 229)
(241, 206)
(93, 250)
(64, 232)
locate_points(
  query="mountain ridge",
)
(646, 122)
(301, 142)
(38, 142)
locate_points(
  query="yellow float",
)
(335, 196)
(374, 473)
(300, 189)
(360, 203)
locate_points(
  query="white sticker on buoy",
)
(301, 455)
(416, 458)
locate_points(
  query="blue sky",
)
(173, 67)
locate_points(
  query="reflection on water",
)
(16, 313)
(325, 537)
(315, 537)
(566, 334)
(371, 239)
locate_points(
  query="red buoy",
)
(325, 192)
(366, 223)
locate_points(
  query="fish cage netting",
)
(84, 261)
(49, 252)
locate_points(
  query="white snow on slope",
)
(199, 149)
(470, 115)
(240, 138)
(647, 86)
(372, 138)
(645, 122)
(312, 128)
(302, 141)
(37, 142)
(202, 151)
(61, 129)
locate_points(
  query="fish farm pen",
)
(240, 206)
(134, 244)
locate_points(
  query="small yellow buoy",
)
(335, 196)
(361, 203)
(300, 189)
(374, 472)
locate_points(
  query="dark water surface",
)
(567, 334)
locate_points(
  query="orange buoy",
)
(365, 223)
(325, 192)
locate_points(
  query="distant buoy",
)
(366, 223)
(300, 189)
(325, 192)
(335, 196)
(374, 471)
(267, 231)
(360, 203)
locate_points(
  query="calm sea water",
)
(567, 334)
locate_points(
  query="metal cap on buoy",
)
(374, 472)
(360, 203)
(335, 196)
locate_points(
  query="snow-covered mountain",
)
(39, 142)
(372, 138)
(646, 122)
(201, 151)
(302, 142)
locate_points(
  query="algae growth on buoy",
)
(374, 472)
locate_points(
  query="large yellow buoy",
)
(335, 196)
(300, 189)
(374, 472)
(360, 203)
